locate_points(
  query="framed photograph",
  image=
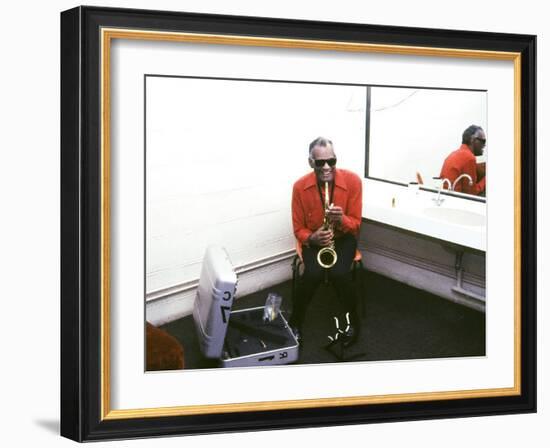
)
(276, 223)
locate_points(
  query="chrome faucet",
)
(437, 199)
(470, 180)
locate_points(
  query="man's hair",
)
(319, 141)
(469, 132)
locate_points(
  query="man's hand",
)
(335, 214)
(320, 237)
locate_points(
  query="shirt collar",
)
(339, 180)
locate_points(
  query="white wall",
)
(222, 156)
(221, 160)
(30, 225)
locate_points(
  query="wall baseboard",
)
(177, 302)
(421, 278)
(412, 260)
(423, 264)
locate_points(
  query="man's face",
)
(320, 154)
(478, 142)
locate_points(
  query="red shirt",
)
(459, 162)
(308, 210)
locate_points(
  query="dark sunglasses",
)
(320, 163)
(481, 140)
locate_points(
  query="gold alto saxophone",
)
(327, 256)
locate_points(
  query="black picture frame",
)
(83, 407)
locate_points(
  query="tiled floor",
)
(399, 322)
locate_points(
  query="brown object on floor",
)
(164, 352)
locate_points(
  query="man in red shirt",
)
(345, 191)
(463, 161)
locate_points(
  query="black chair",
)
(356, 273)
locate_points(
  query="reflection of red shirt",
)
(462, 161)
(308, 210)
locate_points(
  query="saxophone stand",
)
(336, 343)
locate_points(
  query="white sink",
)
(456, 216)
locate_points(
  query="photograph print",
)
(306, 223)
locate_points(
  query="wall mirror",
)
(411, 131)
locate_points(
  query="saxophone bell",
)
(327, 257)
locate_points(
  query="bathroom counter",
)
(455, 220)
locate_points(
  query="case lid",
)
(213, 300)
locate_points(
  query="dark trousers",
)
(339, 275)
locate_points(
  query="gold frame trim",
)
(107, 34)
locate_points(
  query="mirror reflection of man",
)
(463, 161)
(345, 193)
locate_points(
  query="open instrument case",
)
(236, 338)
